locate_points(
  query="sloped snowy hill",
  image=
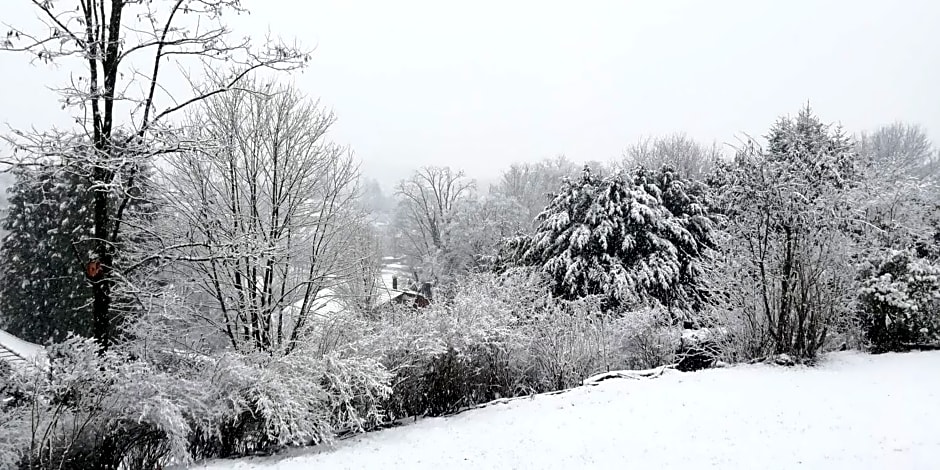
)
(853, 412)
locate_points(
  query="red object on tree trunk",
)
(93, 269)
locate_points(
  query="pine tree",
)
(44, 295)
(631, 241)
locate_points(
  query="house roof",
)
(384, 291)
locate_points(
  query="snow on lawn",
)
(853, 412)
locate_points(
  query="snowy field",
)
(855, 411)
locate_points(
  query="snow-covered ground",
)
(855, 411)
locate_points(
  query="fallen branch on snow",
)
(628, 374)
(590, 381)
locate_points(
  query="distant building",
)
(396, 286)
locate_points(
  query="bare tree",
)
(363, 284)
(123, 110)
(258, 228)
(898, 194)
(683, 154)
(897, 151)
(428, 201)
(531, 185)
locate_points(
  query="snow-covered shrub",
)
(93, 409)
(261, 403)
(574, 340)
(899, 301)
(14, 434)
(567, 343)
(455, 353)
(356, 386)
(506, 335)
(700, 348)
(788, 205)
(645, 338)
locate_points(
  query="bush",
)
(507, 336)
(699, 349)
(647, 338)
(568, 342)
(14, 434)
(259, 404)
(90, 410)
(453, 354)
(147, 405)
(899, 301)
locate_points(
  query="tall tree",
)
(106, 42)
(530, 186)
(258, 229)
(899, 194)
(686, 157)
(897, 151)
(43, 295)
(789, 206)
(428, 202)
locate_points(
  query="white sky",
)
(478, 85)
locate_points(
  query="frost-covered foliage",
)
(457, 353)
(115, 141)
(898, 151)
(258, 403)
(629, 239)
(428, 204)
(504, 336)
(571, 340)
(145, 405)
(899, 301)
(478, 228)
(789, 263)
(147, 409)
(898, 195)
(94, 409)
(14, 434)
(687, 157)
(529, 186)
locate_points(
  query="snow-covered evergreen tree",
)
(630, 239)
(44, 294)
(899, 300)
(49, 247)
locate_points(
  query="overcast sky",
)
(478, 85)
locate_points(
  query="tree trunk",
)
(784, 328)
(101, 280)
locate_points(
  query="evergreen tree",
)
(44, 295)
(48, 249)
(630, 241)
(899, 300)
